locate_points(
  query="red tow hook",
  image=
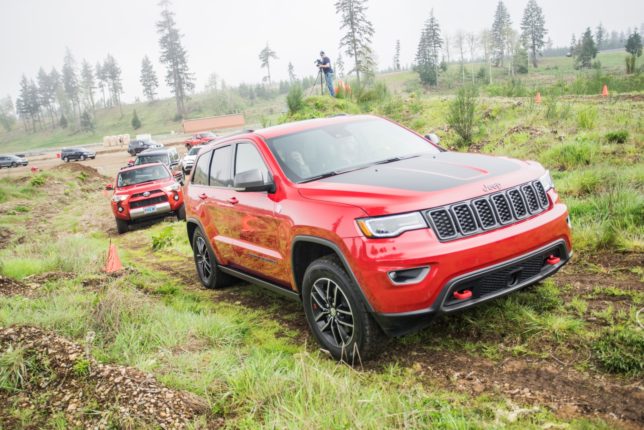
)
(462, 295)
(552, 260)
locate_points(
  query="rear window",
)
(142, 175)
(156, 158)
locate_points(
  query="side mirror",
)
(433, 138)
(109, 187)
(252, 180)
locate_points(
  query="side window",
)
(248, 158)
(220, 168)
(200, 176)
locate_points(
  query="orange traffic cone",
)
(605, 91)
(537, 98)
(113, 263)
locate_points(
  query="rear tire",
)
(122, 226)
(82, 158)
(66, 160)
(337, 314)
(206, 263)
(14, 165)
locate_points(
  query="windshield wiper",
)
(333, 173)
(392, 159)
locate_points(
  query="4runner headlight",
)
(173, 187)
(546, 181)
(391, 226)
(119, 198)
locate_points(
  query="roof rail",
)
(338, 114)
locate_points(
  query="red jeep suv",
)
(143, 192)
(371, 226)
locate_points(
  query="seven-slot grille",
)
(489, 212)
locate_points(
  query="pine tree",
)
(291, 73)
(633, 47)
(27, 104)
(500, 32)
(586, 51)
(397, 56)
(429, 49)
(265, 56)
(86, 122)
(136, 122)
(174, 56)
(600, 36)
(101, 79)
(148, 79)
(533, 30)
(70, 82)
(7, 118)
(47, 93)
(112, 73)
(88, 83)
(358, 36)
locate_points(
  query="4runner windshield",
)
(334, 149)
(139, 176)
(156, 158)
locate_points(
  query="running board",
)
(260, 282)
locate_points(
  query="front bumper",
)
(484, 285)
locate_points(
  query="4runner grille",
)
(148, 202)
(489, 212)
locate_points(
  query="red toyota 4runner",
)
(374, 228)
(143, 192)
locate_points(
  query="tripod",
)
(321, 79)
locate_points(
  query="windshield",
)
(332, 148)
(144, 174)
(152, 158)
(194, 150)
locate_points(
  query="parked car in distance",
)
(69, 154)
(12, 161)
(144, 192)
(167, 156)
(188, 160)
(135, 146)
(374, 228)
(200, 139)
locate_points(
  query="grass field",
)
(564, 354)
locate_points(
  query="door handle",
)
(233, 200)
(203, 196)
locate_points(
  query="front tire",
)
(122, 226)
(82, 158)
(66, 159)
(205, 261)
(14, 165)
(181, 213)
(337, 314)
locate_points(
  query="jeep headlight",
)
(119, 198)
(391, 226)
(546, 181)
(173, 187)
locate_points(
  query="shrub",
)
(38, 180)
(295, 99)
(462, 112)
(620, 350)
(163, 239)
(586, 118)
(567, 156)
(136, 122)
(616, 136)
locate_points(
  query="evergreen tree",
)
(586, 51)
(500, 33)
(633, 47)
(88, 83)
(63, 121)
(7, 118)
(339, 65)
(600, 36)
(429, 49)
(86, 122)
(174, 56)
(101, 79)
(27, 103)
(112, 73)
(533, 30)
(397, 56)
(70, 82)
(47, 93)
(291, 73)
(136, 122)
(265, 57)
(358, 36)
(148, 79)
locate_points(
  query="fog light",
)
(120, 209)
(408, 276)
(176, 197)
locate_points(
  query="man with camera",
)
(325, 66)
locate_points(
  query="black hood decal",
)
(431, 172)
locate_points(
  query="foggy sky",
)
(225, 37)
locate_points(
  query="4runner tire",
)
(337, 314)
(181, 213)
(122, 226)
(207, 270)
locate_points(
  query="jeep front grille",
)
(488, 212)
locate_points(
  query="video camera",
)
(318, 62)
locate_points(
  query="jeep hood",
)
(422, 182)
